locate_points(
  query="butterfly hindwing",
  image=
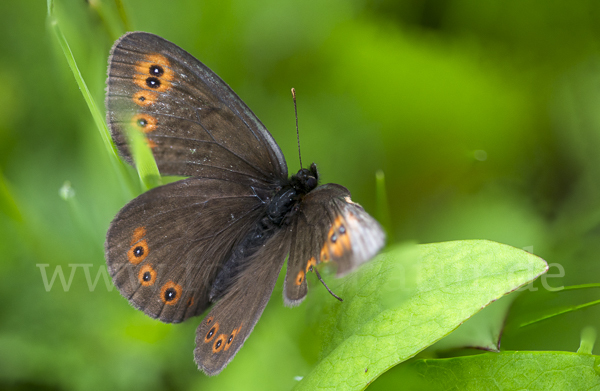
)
(225, 329)
(194, 123)
(329, 227)
(302, 253)
(164, 248)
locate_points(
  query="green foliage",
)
(500, 371)
(143, 158)
(482, 115)
(407, 299)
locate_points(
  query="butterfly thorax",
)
(284, 203)
(280, 210)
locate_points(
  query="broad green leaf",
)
(498, 371)
(482, 330)
(407, 299)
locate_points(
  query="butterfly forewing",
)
(329, 227)
(194, 123)
(177, 236)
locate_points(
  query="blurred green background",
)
(483, 115)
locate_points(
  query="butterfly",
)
(221, 236)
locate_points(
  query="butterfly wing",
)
(165, 248)
(225, 329)
(329, 227)
(194, 123)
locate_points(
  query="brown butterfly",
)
(222, 235)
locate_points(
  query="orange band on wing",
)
(154, 73)
(232, 337)
(151, 144)
(212, 332)
(170, 293)
(138, 234)
(144, 98)
(151, 83)
(311, 263)
(147, 275)
(144, 122)
(155, 65)
(338, 241)
(324, 255)
(138, 252)
(219, 342)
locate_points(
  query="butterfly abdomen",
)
(237, 262)
(279, 213)
(282, 204)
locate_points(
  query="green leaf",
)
(143, 158)
(98, 119)
(498, 371)
(116, 162)
(407, 299)
(482, 331)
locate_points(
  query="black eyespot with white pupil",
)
(147, 276)
(153, 82)
(138, 252)
(230, 339)
(218, 344)
(342, 229)
(170, 294)
(210, 333)
(156, 70)
(142, 122)
(333, 238)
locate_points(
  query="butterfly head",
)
(306, 179)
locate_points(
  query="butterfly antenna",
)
(325, 285)
(297, 132)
